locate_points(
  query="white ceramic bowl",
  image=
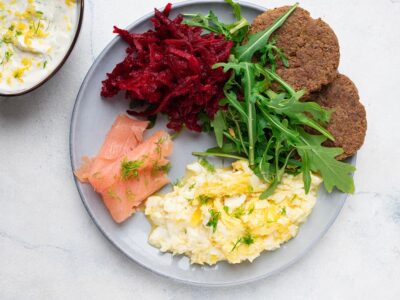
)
(78, 26)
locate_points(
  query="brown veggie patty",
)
(311, 46)
(348, 122)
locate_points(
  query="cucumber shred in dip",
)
(34, 37)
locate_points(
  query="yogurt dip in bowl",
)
(36, 38)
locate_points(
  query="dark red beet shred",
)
(170, 70)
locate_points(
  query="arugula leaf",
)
(218, 153)
(236, 31)
(248, 81)
(305, 169)
(266, 125)
(257, 41)
(219, 126)
(302, 119)
(237, 11)
(207, 165)
(270, 55)
(323, 160)
(231, 97)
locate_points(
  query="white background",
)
(50, 249)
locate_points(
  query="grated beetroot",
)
(169, 69)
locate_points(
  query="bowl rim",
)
(62, 62)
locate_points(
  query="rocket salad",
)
(266, 124)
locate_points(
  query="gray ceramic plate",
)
(91, 119)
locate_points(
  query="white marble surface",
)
(50, 249)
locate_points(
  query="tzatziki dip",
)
(35, 36)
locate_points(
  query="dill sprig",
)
(130, 168)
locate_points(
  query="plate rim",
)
(79, 98)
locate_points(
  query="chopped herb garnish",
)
(44, 64)
(226, 209)
(6, 58)
(160, 141)
(246, 240)
(192, 186)
(129, 194)
(7, 40)
(251, 189)
(178, 183)
(38, 26)
(18, 73)
(207, 165)
(112, 194)
(18, 33)
(130, 168)
(96, 175)
(160, 168)
(251, 209)
(283, 211)
(238, 212)
(213, 221)
(203, 199)
(11, 28)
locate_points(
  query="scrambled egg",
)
(216, 214)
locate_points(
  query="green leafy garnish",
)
(213, 221)
(160, 141)
(263, 119)
(235, 31)
(6, 40)
(322, 159)
(178, 183)
(259, 40)
(245, 240)
(157, 168)
(130, 168)
(203, 199)
(251, 209)
(112, 194)
(238, 212)
(129, 194)
(283, 211)
(6, 58)
(206, 165)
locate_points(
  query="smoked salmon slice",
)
(125, 172)
(125, 134)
